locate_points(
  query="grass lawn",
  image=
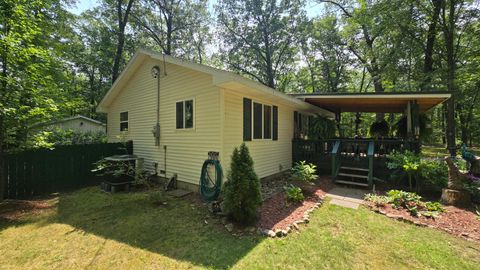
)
(441, 151)
(88, 229)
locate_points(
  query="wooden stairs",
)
(354, 176)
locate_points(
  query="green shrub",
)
(294, 194)
(434, 206)
(474, 188)
(56, 136)
(400, 198)
(408, 162)
(434, 173)
(378, 200)
(304, 172)
(413, 204)
(242, 190)
(321, 127)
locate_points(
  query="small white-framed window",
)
(185, 110)
(124, 121)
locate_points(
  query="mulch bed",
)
(456, 221)
(277, 214)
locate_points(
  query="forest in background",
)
(54, 63)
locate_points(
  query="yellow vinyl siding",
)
(186, 149)
(269, 156)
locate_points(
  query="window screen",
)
(267, 122)
(189, 114)
(123, 121)
(180, 114)
(257, 120)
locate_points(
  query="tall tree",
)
(368, 33)
(30, 68)
(178, 27)
(258, 38)
(324, 54)
(123, 9)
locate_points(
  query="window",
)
(257, 121)
(123, 121)
(267, 122)
(184, 114)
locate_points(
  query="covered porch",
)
(361, 161)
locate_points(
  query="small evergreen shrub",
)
(304, 172)
(242, 190)
(294, 194)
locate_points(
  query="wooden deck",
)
(355, 162)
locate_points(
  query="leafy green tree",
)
(179, 28)
(31, 73)
(242, 190)
(258, 38)
(324, 54)
(122, 10)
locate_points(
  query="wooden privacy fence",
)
(43, 171)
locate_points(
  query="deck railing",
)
(317, 150)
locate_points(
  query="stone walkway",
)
(346, 197)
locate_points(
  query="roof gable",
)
(221, 78)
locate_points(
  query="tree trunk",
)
(449, 35)
(122, 22)
(118, 55)
(428, 57)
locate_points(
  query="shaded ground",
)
(441, 151)
(89, 229)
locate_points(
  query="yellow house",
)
(199, 109)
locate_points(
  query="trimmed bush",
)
(242, 190)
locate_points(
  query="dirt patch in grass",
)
(457, 221)
(277, 214)
(15, 209)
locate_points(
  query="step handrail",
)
(335, 159)
(370, 154)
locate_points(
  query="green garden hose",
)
(210, 188)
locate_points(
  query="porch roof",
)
(374, 102)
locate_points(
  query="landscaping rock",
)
(295, 226)
(229, 227)
(224, 220)
(271, 233)
(279, 233)
(250, 229)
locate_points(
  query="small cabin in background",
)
(78, 123)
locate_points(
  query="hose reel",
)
(211, 182)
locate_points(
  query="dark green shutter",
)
(247, 119)
(275, 123)
(295, 124)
